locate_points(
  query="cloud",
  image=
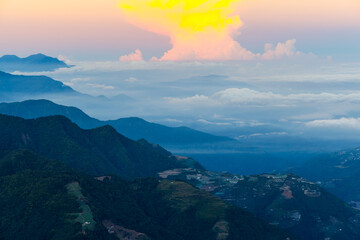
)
(213, 123)
(133, 57)
(173, 120)
(199, 30)
(65, 59)
(131, 80)
(261, 135)
(246, 96)
(281, 50)
(353, 123)
(79, 79)
(195, 100)
(102, 86)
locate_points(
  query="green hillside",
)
(97, 151)
(44, 199)
(287, 201)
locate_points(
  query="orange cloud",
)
(198, 29)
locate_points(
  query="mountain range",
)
(97, 151)
(61, 200)
(31, 85)
(19, 87)
(33, 63)
(171, 209)
(180, 140)
(216, 153)
(45, 199)
(288, 201)
(134, 128)
(339, 172)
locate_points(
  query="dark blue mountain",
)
(339, 172)
(13, 84)
(99, 151)
(34, 63)
(134, 128)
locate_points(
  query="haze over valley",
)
(179, 120)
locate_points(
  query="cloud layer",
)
(353, 123)
(246, 96)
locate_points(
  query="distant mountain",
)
(287, 201)
(43, 108)
(97, 151)
(339, 172)
(22, 87)
(33, 63)
(10, 83)
(134, 128)
(213, 152)
(44, 199)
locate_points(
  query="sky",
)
(250, 67)
(108, 29)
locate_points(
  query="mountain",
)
(339, 172)
(43, 108)
(137, 128)
(31, 85)
(33, 63)
(44, 199)
(332, 166)
(21, 87)
(134, 128)
(288, 201)
(97, 151)
(213, 152)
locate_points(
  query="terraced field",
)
(85, 218)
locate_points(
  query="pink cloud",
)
(133, 57)
(279, 51)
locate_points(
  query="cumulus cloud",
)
(281, 50)
(133, 57)
(199, 30)
(353, 123)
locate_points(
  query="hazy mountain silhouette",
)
(34, 63)
(134, 128)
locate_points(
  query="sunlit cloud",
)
(198, 29)
(133, 57)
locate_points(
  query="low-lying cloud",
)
(351, 123)
(246, 96)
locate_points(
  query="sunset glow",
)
(178, 29)
(200, 29)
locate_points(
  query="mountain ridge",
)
(60, 203)
(132, 127)
(33, 63)
(96, 151)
